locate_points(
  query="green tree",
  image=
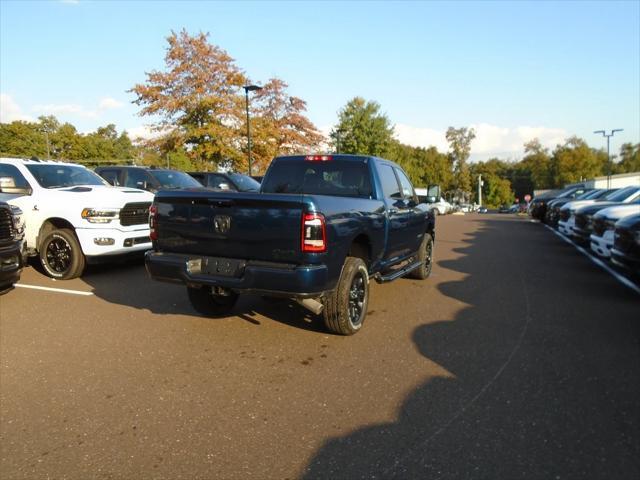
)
(362, 129)
(629, 158)
(459, 150)
(22, 139)
(574, 161)
(537, 162)
(198, 98)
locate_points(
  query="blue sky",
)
(513, 70)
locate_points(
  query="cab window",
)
(390, 186)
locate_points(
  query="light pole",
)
(604, 134)
(247, 89)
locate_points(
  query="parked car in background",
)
(73, 216)
(552, 216)
(326, 223)
(234, 182)
(441, 207)
(12, 249)
(603, 226)
(482, 210)
(538, 206)
(146, 178)
(567, 218)
(626, 244)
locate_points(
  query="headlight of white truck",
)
(97, 215)
(18, 220)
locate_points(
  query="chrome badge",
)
(222, 223)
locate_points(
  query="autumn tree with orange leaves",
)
(279, 125)
(198, 101)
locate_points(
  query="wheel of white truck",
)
(205, 302)
(346, 307)
(61, 255)
(425, 257)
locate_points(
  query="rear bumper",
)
(268, 279)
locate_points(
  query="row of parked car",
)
(607, 221)
(69, 215)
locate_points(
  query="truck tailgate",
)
(249, 226)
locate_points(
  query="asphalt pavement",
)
(518, 358)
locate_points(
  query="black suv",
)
(235, 182)
(12, 252)
(146, 178)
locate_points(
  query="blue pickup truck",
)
(318, 230)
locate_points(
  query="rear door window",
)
(405, 183)
(390, 186)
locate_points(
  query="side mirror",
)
(8, 185)
(142, 185)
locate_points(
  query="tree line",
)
(197, 106)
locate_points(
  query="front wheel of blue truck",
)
(425, 257)
(211, 304)
(346, 307)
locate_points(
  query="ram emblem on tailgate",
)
(222, 223)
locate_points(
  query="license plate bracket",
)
(217, 266)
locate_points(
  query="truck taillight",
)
(318, 158)
(153, 211)
(314, 235)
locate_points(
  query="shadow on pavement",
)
(127, 283)
(544, 368)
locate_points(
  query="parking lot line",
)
(57, 290)
(622, 279)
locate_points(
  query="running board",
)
(390, 277)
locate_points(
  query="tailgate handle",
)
(221, 203)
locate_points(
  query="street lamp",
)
(247, 89)
(604, 134)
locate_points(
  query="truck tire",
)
(205, 302)
(61, 255)
(425, 257)
(346, 307)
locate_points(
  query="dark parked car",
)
(626, 244)
(554, 206)
(146, 178)
(12, 251)
(321, 227)
(234, 182)
(538, 206)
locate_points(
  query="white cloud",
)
(145, 132)
(109, 103)
(10, 110)
(491, 140)
(65, 109)
(420, 137)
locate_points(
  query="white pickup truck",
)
(72, 215)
